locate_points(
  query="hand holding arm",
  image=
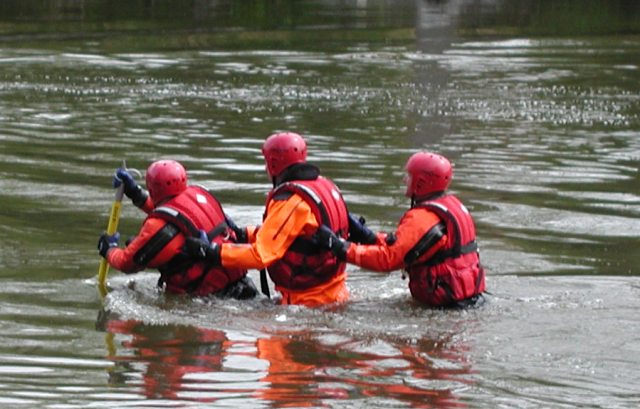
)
(328, 239)
(242, 235)
(200, 248)
(358, 232)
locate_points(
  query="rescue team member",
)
(435, 241)
(175, 211)
(301, 200)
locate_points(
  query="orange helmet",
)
(427, 173)
(282, 150)
(165, 178)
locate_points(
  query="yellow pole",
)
(112, 227)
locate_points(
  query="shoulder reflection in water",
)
(283, 368)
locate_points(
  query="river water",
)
(540, 116)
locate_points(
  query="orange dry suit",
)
(160, 241)
(303, 271)
(436, 244)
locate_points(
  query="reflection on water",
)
(290, 356)
(163, 360)
(540, 117)
(303, 368)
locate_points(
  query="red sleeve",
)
(148, 205)
(383, 257)
(122, 258)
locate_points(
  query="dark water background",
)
(536, 102)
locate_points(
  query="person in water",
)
(435, 241)
(175, 211)
(301, 200)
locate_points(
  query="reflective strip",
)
(316, 199)
(439, 206)
(167, 210)
(177, 218)
(307, 190)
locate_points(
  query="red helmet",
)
(427, 173)
(282, 150)
(165, 178)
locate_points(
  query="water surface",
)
(542, 124)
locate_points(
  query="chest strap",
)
(442, 255)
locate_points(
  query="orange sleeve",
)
(285, 221)
(383, 257)
(252, 232)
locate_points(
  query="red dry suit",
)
(436, 243)
(162, 235)
(454, 272)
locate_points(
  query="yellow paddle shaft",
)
(112, 227)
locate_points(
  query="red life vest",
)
(306, 264)
(454, 273)
(189, 212)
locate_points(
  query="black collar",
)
(298, 171)
(432, 196)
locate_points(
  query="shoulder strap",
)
(456, 249)
(177, 218)
(430, 238)
(444, 214)
(186, 226)
(311, 196)
(155, 244)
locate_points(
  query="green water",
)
(537, 103)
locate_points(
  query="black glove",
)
(200, 248)
(329, 240)
(106, 242)
(390, 239)
(241, 233)
(358, 232)
(131, 189)
(242, 289)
